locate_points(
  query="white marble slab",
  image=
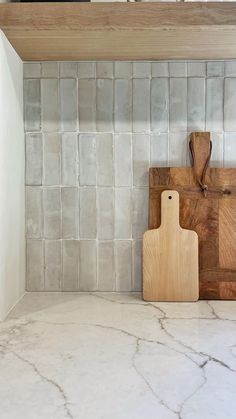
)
(103, 356)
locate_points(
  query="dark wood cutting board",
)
(213, 218)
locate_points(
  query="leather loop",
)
(200, 147)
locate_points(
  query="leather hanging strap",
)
(200, 148)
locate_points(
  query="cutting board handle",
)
(200, 148)
(170, 209)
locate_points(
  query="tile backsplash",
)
(92, 132)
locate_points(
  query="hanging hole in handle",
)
(170, 197)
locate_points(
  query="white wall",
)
(12, 193)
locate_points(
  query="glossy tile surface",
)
(93, 129)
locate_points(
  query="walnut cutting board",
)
(170, 257)
(212, 217)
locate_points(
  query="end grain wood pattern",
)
(212, 217)
(170, 257)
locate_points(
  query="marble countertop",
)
(113, 356)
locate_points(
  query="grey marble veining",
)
(102, 356)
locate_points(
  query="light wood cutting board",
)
(170, 257)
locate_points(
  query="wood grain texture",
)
(170, 257)
(227, 234)
(101, 31)
(213, 218)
